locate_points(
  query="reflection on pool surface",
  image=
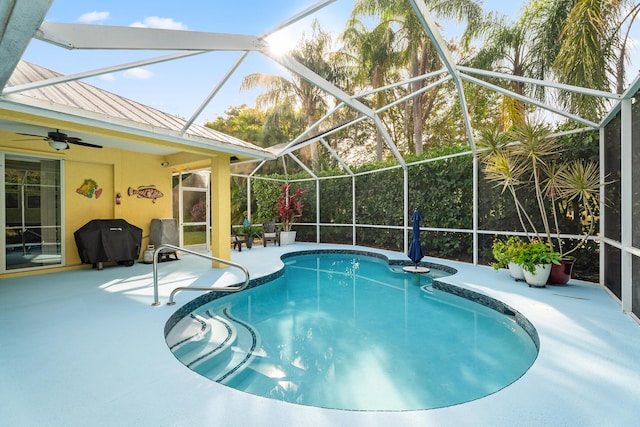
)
(348, 332)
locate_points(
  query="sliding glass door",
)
(32, 213)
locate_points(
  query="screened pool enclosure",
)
(462, 212)
(458, 205)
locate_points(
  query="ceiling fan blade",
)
(30, 134)
(78, 141)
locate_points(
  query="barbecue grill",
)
(104, 240)
(164, 231)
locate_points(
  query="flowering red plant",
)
(289, 206)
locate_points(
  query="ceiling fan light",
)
(58, 145)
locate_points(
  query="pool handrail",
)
(156, 300)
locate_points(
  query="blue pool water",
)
(349, 332)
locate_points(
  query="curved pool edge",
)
(587, 372)
(494, 304)
(460, 291)
(477, 297)
(187, 308)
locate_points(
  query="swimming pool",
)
(349, 331)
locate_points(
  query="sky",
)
(179, 87)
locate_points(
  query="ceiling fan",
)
(60, 141)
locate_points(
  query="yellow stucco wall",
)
(80, 208)
(115, 172)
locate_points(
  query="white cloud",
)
(107, 77)
(94, 16)
(138, 74)
(157, 22)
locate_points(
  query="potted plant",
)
(289, 207)
(250, 231)
(526, 157)
(536, 259)
(505, 252)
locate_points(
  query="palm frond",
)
(534, 141)
(580, 181)
(504, 170)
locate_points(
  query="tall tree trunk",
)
(312, 148)
(378, 146)
(418, 124)
(408, 131)
(417, 108)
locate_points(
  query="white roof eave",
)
(27, 105)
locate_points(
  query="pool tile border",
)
(476, 297)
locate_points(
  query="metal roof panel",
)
(86, 97)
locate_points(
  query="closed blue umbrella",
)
(415, 250)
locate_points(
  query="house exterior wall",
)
(115, 171)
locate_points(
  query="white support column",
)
(602, 222)
(353, 210)
(626, 204)
(475, 210)
(249, 199)
(405, 220)
(317, 181)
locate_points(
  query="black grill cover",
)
(102, 240)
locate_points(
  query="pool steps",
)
(217, 347)
(192, 328)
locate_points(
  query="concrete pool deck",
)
(86, 348)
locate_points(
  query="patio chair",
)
(237, 240)
(270, 233)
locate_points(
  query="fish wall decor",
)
(146, 192)
(89, 189)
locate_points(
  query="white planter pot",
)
(539, 277)
(287, 237)
(516, 271)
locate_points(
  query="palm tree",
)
(582, 43)
(506, 49)
(370, 54)
(576, 42)
(417, 52)
(313, 52)
(587, 54)
(623, 56)
(282, 123)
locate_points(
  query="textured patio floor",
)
(86, 348)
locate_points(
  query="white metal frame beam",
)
(431, 28)
(401, 83)
(626, 196)
(213, 92)
(97, 72)
(305, 73)
(19, 21)
(529, 101)
(303, 14)
(106, 37)
(569, 88)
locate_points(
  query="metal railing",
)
(156, 300)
